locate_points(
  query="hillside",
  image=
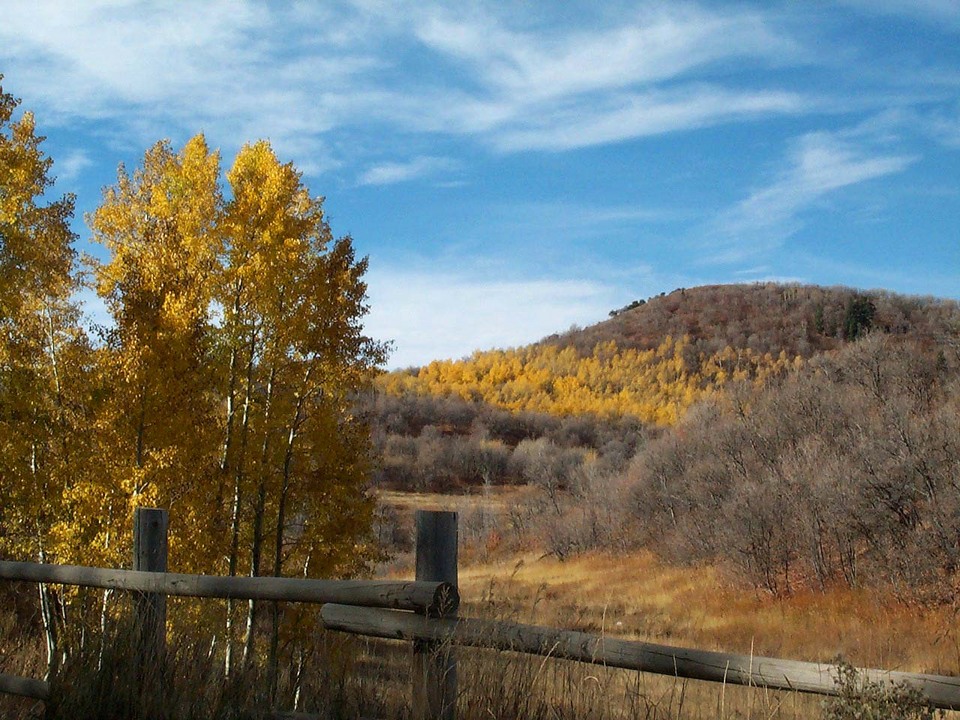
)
(654, 359)
(845, 472)
(832, 464)
(766, 318)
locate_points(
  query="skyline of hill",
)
(767, 317)
(654, 359)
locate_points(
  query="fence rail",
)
(24, 687)
(424, 611)
(773, 673)
(435, 597)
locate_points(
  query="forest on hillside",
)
(846, 472)
(655, 360)
(767, 318)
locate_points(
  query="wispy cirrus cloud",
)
(299, 75)
(69, 167)
(818, 164)
(656, 44)
(142, 70)
(87, 57)
(644, 115)
(394, 172)
(636, 78)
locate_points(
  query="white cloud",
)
(576, 88)
(134, 52)
(394, 172)
(659, 43)
(68, 168)
(819, 164)
(295, 74)
(655, 113)
(235, 69)
(433, 316)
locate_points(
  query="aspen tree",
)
(44, 356)
(222, 390)
(294, 299)
(161, 227)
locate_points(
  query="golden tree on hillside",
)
(656, 385)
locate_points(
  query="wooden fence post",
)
(150, 609)
(434, 664)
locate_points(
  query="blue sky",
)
(515, 168)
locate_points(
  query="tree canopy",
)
(220, 390)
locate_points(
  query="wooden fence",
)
(424, 611)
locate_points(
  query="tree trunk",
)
(279, 530)
(141, 430)
(256, 550)
(237, 502)
(49, 630)
(49, 620)
(231, 405)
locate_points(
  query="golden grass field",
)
(637, 596)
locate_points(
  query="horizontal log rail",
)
(942, 692)
(24, 687)
(433, 597)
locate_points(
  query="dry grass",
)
(350, 677)
(511, 686)
(637, 596)
(496, 499)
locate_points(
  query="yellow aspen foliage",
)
(656, 385)
(45, 359)
(237, 341)
(292, 461)
(43, 353)
(222, 389)
(160, 226)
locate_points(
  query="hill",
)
(767, 318)
(655, 358)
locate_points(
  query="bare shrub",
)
(859, 698)
(843, 472)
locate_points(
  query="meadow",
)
(636, 595)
